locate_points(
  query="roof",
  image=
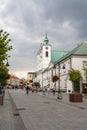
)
(80, 50)
(56, 55)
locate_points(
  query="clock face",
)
(46, 48)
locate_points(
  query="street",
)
(39, 112)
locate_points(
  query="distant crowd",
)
(44, 90)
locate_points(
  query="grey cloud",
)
(73, 11)
(36, 14)
(27, 21)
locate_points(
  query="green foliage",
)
(76, 86)
(3, 74)
(37, 84)
(4, 48)
(74, 75)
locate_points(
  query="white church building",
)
(46, 57)
(50, 62)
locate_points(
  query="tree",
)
(74, 77)
(4, 48)
(3, 74)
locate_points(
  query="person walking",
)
(54, 91)
(32, 90)
(44, 91)
(48, 90)
(27, 89)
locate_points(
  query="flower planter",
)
(75, 97)
(55, 78)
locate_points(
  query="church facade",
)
(50, 63)
(46, 58)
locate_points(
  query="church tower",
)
(44, 55)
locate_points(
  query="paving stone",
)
(48, 113)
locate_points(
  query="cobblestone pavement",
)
(40, 112)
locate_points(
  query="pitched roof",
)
(56, 55)
(80, 50)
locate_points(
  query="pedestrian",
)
(44, 91)
(32, 90)
(53, 91)
(27, 89)
(48, 90)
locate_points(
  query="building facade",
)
(46, 58)
(50, 63)
(75, 59)
(13, 80)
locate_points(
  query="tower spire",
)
(46, 41)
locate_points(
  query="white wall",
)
(14, 81)
(77, 63)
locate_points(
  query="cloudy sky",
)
(27, 21)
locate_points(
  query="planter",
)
(1, 99)
(75, 97)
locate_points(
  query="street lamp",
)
(63, 66)
(54, 68)
(59, 91)
(42, 79)
(7, 64)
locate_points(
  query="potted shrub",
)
(75, 77)
(37, 85)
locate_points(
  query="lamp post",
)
(54, 68)
(7, 64)
(59, 92)
(42, 79)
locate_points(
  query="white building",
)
(50, 62)
(76, 59)
(31, 77)
(63, 61)
(46, 57)
(13, 81)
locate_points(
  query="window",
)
(46, 53)
(84, 64)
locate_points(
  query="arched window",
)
(46, 53)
